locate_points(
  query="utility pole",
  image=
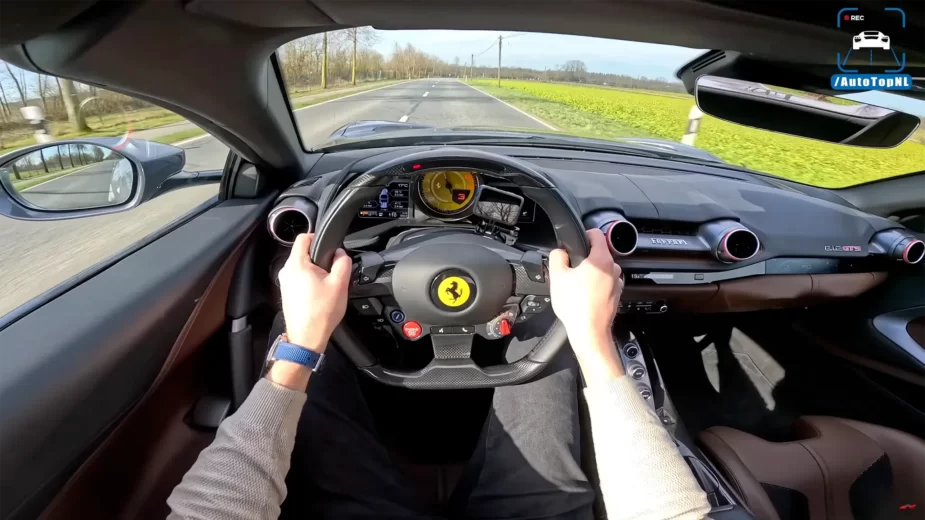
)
(324, 61)
(499, 60)
(471, 65)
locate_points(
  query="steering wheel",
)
(445, 280)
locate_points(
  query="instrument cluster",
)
(447, 194)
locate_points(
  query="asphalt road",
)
(86, 187)
(36, 256)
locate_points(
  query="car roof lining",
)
(220, 77)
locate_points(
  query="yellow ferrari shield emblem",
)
(453, 291)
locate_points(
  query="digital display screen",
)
(394, 201)
(498, 206)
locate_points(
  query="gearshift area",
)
(640, 366)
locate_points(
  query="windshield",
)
(442, 82)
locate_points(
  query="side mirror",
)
(802, 114)
(85, 177)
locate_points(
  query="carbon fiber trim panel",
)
(452, 346)
(524, 285)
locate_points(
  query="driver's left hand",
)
(314, 301)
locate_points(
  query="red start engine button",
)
(412, 329)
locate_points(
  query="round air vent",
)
(291, 216)
(914, 251)
(737, 245)
(622, 237)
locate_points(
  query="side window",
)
(92, 150)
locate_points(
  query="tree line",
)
(317, 61)
(348, 56)
(57, 158)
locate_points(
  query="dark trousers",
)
(525, 465)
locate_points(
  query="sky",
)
(539, 51)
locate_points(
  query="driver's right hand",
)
(585, 299)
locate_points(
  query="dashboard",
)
(689, 238)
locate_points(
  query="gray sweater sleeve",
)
(642, 474)
(242, 473)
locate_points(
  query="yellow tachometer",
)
(448, 192)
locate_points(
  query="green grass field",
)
(611, 113)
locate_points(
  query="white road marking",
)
(538, 120)
(403, 119)
(432, 86)
(354, 94)
(191, 139)
(56, 178)
(425, 94)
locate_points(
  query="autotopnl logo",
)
(870, 61)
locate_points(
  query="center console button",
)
(636, 371)
(631, 350)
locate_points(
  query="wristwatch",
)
(281, 349)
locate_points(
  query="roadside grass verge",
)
(320, 96)
(109, 125)
(179, 136)
(114, 125)
(25, 184)
(603, 112)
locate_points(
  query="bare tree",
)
(4, 105)
(42, 90)
(324, 62)
(22, 95)
(69, 93)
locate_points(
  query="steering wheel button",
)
(532, 262)
(367, 306)
(370, 263)
(534, 304)
(504, 327)
(412, 330)
(397, 316)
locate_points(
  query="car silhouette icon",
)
(871, 40)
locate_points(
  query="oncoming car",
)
(871, 40)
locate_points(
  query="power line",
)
(490, 47)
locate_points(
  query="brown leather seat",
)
(835, 469)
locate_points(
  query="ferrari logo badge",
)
(453, 291)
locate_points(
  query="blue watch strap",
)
(296, 354)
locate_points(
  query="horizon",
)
(600, 55)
